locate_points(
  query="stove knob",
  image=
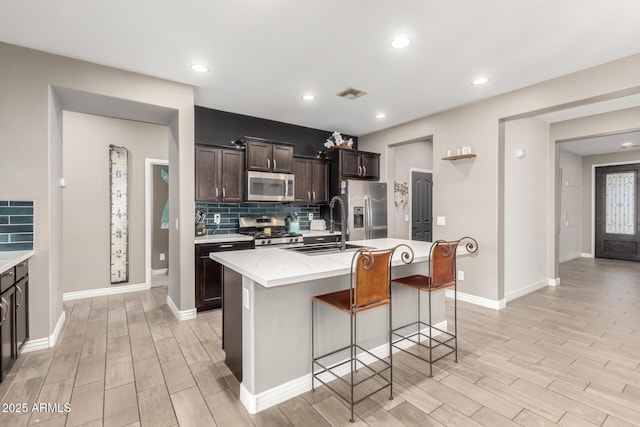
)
(262, 242)
(295, 240)
(291, 240)
(269, 241)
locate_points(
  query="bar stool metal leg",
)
(313, 354)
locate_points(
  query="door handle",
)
(268, 163)
(21, 296)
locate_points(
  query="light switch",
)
(245, 298)
(440, 220)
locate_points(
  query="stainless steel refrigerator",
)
(367, 209)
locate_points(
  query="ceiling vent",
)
(351, 93)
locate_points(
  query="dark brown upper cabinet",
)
(355, 164)
(219, 175)
(311, 180)
(266, 156)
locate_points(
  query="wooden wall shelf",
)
(460, 156)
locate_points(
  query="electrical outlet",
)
(162, 257)
(245, 298)
(460, 275)
(440, 220)
(216, 219)
(310, 217)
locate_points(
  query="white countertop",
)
(222, 238)
(276, 267)
(10, 259)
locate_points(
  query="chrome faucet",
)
(343, 223)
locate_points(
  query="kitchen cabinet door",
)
(282, 158)
(370, 163)
(207, 164)
(7, 330)
(232, 175)
(319, 181)
(350, 164)
(302, 172)
(259, 156)
(22, 313)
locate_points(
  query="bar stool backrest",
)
(443, 263)
(371, 279)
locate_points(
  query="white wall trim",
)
(526, 290)
(181, 314)
(113, 290)
(47, 342)
(569, 258)
(268, 398)
(473, 299)
(587, 255)
(554, 281)
(148, 176)
(160, 271)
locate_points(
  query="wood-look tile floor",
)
(568, 355)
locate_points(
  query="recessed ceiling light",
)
(381, 116)
(627, 144)
(480, 81)
(200, 68)
(400, 42)
(308, 97)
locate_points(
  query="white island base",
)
(277, 287)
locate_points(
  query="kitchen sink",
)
(324, 248)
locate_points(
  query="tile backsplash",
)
(16, 226)
(229, 213)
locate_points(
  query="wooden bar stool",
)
(369, 288)
(442, 275)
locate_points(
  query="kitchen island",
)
(269, 292)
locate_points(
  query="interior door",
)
(421, 206)
(617, 205)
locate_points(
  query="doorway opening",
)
(156, 196)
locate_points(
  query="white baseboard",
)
(160, 271)
(114, 290)
(526, 290)
(473, 299)
(181, 314)
(268, 398)
(47, 342)
(554, 281)
(570, 257)
(587, 255)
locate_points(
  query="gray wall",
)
(31, 136)
(86, 221)
(159, 236)
(570, 237)
(525, 206)
(470, 192)
(402, 158)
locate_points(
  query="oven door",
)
(270, 187)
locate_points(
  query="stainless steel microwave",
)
(270, 187)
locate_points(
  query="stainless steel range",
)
(269, 231)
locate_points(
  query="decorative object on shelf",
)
(466, 150)
(119, 172)
(458, 151)
(448, 152)
(336, 141)
(401, 193)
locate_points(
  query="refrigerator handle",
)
(367, 217)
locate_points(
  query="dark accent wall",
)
(229, 213)
(16, 226)
(215, 127)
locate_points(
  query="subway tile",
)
(20, 237)
(19, 228)
(20, 219)
(16, 246)
(4, 219)
(4, 238)
(4, 203)
(14, 203)
(16, 210)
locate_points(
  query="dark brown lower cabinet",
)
(208, 274)
(14, 315)
(232, 321)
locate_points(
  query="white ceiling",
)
(264, 54)
(603, 144)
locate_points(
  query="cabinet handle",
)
(216, 192)
(319, 239)
(225, 246)
(359, 170)
(314, 196)
(275, 165)
(8, 274)
(268, 163)
(224, 193)
(364, 170)
(3, 302)
(21, 296)
(309, 195)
